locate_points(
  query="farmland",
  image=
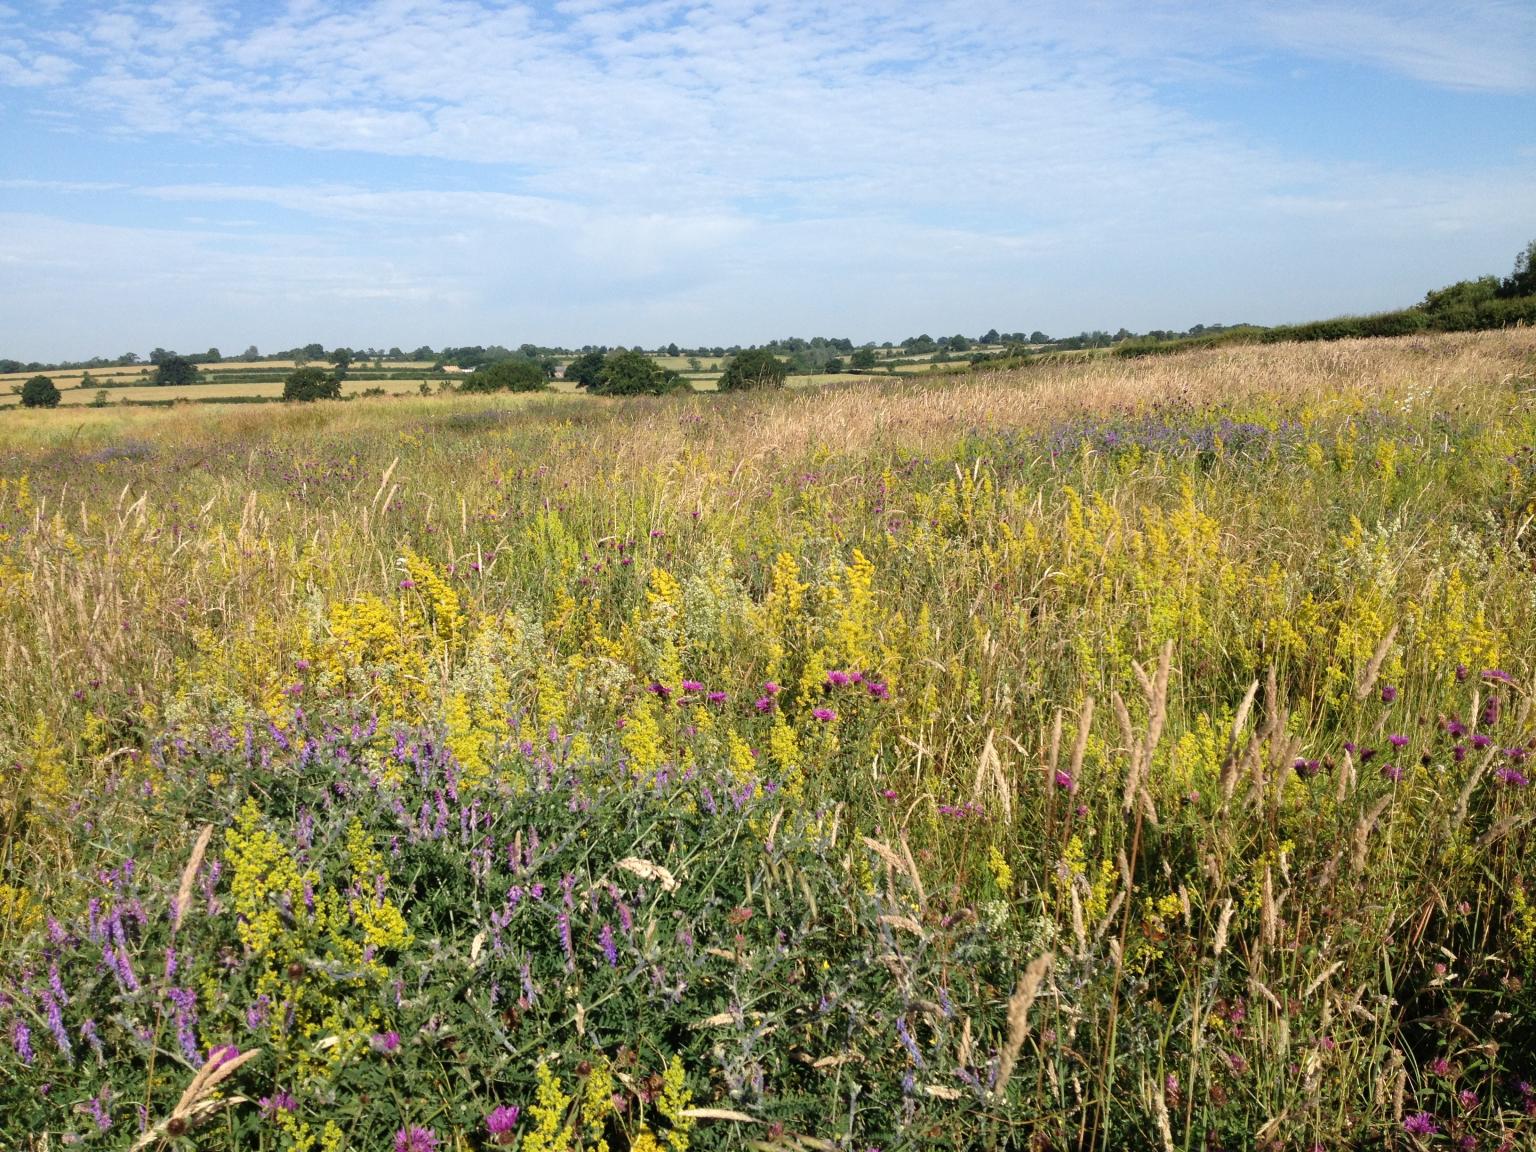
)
(1116, 753)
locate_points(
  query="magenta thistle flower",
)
(879, 690)
(716, 697)
(1065, 782)
(1388, 694)
(770, 688)
(1392, 772)
(837, 680)
(824, 714)
(692, 686)
(1397, 741)
(763, 704)
(414, 1139)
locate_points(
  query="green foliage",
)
(513, 374)
(307, 384)
(175, 371)
(754, 368)
(863, 359)
(631, 373)
(1522, 281)
(586, 371)
(40, 392)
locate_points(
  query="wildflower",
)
(824, 714)
(1491, 711)
(716, 697)
(1511, 777)
(1454, 727)
(1420, 1124)
(407, 584)
(1392, 772)
(837, 680)
(1462, 673)
(21, 1040)
(770, 688)
(610, 950)
(414, 1139)
(384, 1043)
(1459, 753)
(1467, 1099)
(889, 793)
(501, 1121)
(277, 1102)
(100, 1109)
(692, 686)
(1498, 676)
(1440, 1066)
(1397, 741)
(1481, 741)
(1065, 782)
(763, 703)
(878, 689)
(1388, 694)
(904, 1034)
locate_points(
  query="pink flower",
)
(771, 688)
(837, 680)
(692, 686)
(879, 690)
(1420, 1124)
(414, 1139)
(824, 714)
(502, 1120)
(763, 704)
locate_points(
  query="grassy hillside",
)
(1117, 753)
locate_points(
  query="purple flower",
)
(763, 704)
(692, 686)
(101, 1109)
(1440, 1066)
(1510, 777)
(1392, 772)
(502, 1120)
(21, 1040)
(770, 688)
(824, 714)
(1388, 694)
(1497, 675)
(277, 1102)
(1397, 741)
(610, 950)
(384, 1043)
(838, 680)
(414, 1139)
(1065, 782)
(716, 697)
(878, 689)
(1462, 673)
(1481, 741)
(1420, 1124)
(1467, 1098)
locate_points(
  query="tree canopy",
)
(511, 375)
(308, 384)
(40, 392)
(754, 368)
(175, 370)
(628, 373)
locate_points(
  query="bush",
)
(586, 371)
(636, 374)
(754, 368)
(40, 392)
(511, 375)
(306, 384)
(176, 370)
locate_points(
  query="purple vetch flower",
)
(904, 1034)
(21, 1040)
(100, 1109)
(89, 1034)
(416, 1139)
(56, 1026)
(185, 1001)
(1420, 1124)
(565, 939)
(610, 949)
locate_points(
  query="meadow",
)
(1104, 754)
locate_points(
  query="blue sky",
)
(198, 173)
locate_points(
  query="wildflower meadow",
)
(1121, 753)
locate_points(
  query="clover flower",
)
(415, 1139)
(1420, 1124)
(501, 1121)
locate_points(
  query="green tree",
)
(39, 392)
(586, 371)
(635, 374)
(308, 384)
(863, 359)
(176, 370)
(511, 375)
(1522, 282)
(754, 368)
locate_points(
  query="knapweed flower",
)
(838, 679)
(824, 714)
(1511, 777)
(763, 704)
(1065, 782)
(414, 1139)
(1392, 772)
(1420, 1124)
(501, 1121)
(1397, 741)
(716, 697)
(770, 688)
(878, 689)
(1388, 694)
(692, 686)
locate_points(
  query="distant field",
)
(83, 397)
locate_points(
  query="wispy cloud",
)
(730, 160)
